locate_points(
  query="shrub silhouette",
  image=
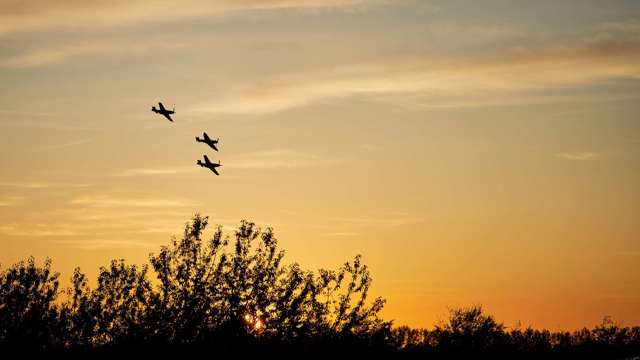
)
(28, 313)
(234, 295)
(469, 330)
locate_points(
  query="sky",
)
(474, 152)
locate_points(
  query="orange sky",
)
(472, 154)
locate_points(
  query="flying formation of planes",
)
(205, 139)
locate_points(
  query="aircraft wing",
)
(161, 106)
(214, 170)
(167, 116)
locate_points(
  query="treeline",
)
(233, 295)
(468, 331)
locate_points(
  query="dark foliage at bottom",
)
(233, 295)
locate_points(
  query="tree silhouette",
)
(205, 286)
(469, 330)
(28, 313)
(235, 295)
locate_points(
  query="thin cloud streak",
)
(90, 227)
(42, 185)
(276, 159)
(381, 220)
(577, 156)
(342, 234)
(25, 231)
(513, 76)
(156, 171)
(68, 14)
(100, 244)
(41, 57)
(68, 144)
(10, 201)
(106, 201)
(118, 214)
(61, 53)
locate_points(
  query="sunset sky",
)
(474, 152)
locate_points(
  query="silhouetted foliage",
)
(28, 313)
(235, 295)
(469, 332)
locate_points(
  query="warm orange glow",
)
(254, 322)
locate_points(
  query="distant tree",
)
(469, 330)
(606, 339)
(530, 340)
(411, 340)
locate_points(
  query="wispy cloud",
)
(43, 185)
(577, 156)
(57, 53)
(277, 158)
(41, 57)
(390, 220)
(7, 201)
(618, 30)
(27, 185)
(44, 15)
(24, 113)
(474, 34)
(67, 144)
(100, 221)
(92, 214)
(107, 201)
(26, 120)
(31, 231)
(156, 171)
(341, 234)
(99, 244)
(430, 82)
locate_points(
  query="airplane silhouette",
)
(207, 140)
(208, 164)
(163, 111)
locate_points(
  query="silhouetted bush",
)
(470, 331)
(230, 295)
(28, 313)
